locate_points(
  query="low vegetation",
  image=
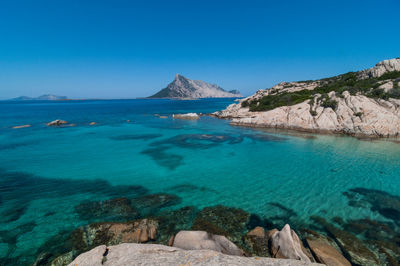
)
(346, 82)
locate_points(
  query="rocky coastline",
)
(363, 103)
(149, 229)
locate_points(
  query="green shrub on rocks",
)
(346, 82)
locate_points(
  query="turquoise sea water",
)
(45, 171)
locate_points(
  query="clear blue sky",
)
(126, 49)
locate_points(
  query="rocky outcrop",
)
(151, 254)
(188, 116)
(357, 103)
(323, 250)
(381, 68)
(183, 87)
(57, 123)
(354, 115)
(197, 240)
(286, 244)
(352, 247)
(108, 233)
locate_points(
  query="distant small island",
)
(44, 97)
(182, 87)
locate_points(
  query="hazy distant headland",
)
(44, 97)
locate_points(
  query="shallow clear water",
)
(45, 172)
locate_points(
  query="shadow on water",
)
(159, 153)
(18, 189)
(136, 137)
(164, 158)
(190, 188)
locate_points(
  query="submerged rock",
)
(286, 244)
(384, 203)
(152, 203)
(221, 220)
(108, 233)
(151, 254)
(173, 221)
(256, 242)
(323, 250)
(197, 240)
(107, 210)
(350, 245)
(57, 123)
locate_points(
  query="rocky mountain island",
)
(183, 87)
(363, 103)
(44, 97)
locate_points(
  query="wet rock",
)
(173, 221)
(286, 244)
(323, 250)
(257, 232)
(389, 252)
(63, 259)
(197, 240)
(107, 210)
(256, 242)
(221, 220)
(108, 233)
(351, 246)
(151, 204)
(57, 123)
(370, 229)
(42, 259)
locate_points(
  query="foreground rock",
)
(150, 254)
(188, 116)
(372, 108)
(57, 123)
(352, 247)
(197, 240)
(286, 244)
(324, 252)
(257, 242)
(108, 233)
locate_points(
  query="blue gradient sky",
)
(126, 49)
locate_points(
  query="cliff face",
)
(183, 87)
(358, 103)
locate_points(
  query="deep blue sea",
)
(46, 171)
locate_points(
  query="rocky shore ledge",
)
(152, 254)
(364, 103)
(222, 235)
